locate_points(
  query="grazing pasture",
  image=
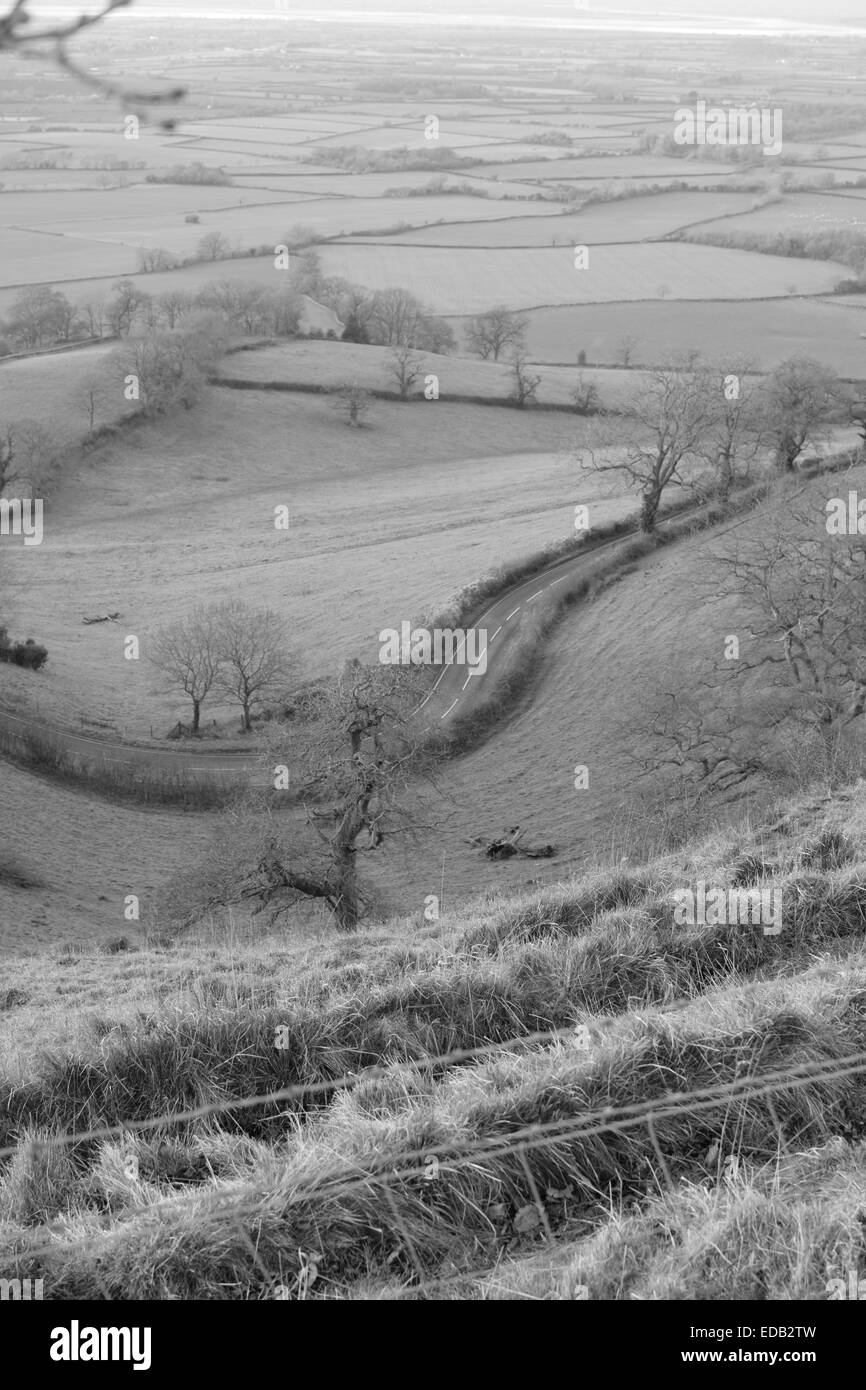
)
(375, 185)
(118, 535)
(797, 213)
(768, 331)
(525, 279)
(270, 222)
(64, 210)
(29, 256)
(629, 220)
(51, 387)
(322, 364)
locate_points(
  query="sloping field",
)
(657, 625)
(271, 221)
(99, 853)
(770, 332)
(797, 212)
(118, 536)
(50, 387)
(30, 257)
(192, 277)
(523, 279)
(63, 210)
(542, 1176)
(323, 364)
(633, 219)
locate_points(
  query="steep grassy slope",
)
(700, 1082)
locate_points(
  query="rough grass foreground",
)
(703, 1082)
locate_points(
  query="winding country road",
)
(455, 692)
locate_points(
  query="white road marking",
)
(496, 634)
(558, 581)
(449, 709)
(511, 615)
(535, 595)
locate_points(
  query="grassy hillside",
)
(698, 1088)
(191, 497)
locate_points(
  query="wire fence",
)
(369, 1174)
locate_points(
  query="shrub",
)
(27, 654)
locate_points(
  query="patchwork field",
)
(828, 329)
(321, 365)
(322, 183)
(634, 219)
(535, 277)
(797, 212)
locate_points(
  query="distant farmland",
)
(633, 219)
(521, 279)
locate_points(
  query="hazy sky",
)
(734, 13)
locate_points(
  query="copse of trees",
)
(42, 316)
(835, 244)
(194, 173)
(387, 318)
(401, 159)
(500, 329)
(165, 368)
(689, 422)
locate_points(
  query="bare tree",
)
(491, 333)
(734, 425)
(354, 403)
(625, 350)
(93, 393)
(243, 303)
(800, 400)
(30, 454)
(406, 367)
(704, 731)
(125, 306)
(173, 304)
(668, 420)
(213, 246)
(285, 312)
(153, 258)
(92, 311)
(188, 654)
(252, 653)
(394, 316)
(802, 591)
(585, 396)
(526, 383)
(353, 774)
(40, 314)
(169, 367)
